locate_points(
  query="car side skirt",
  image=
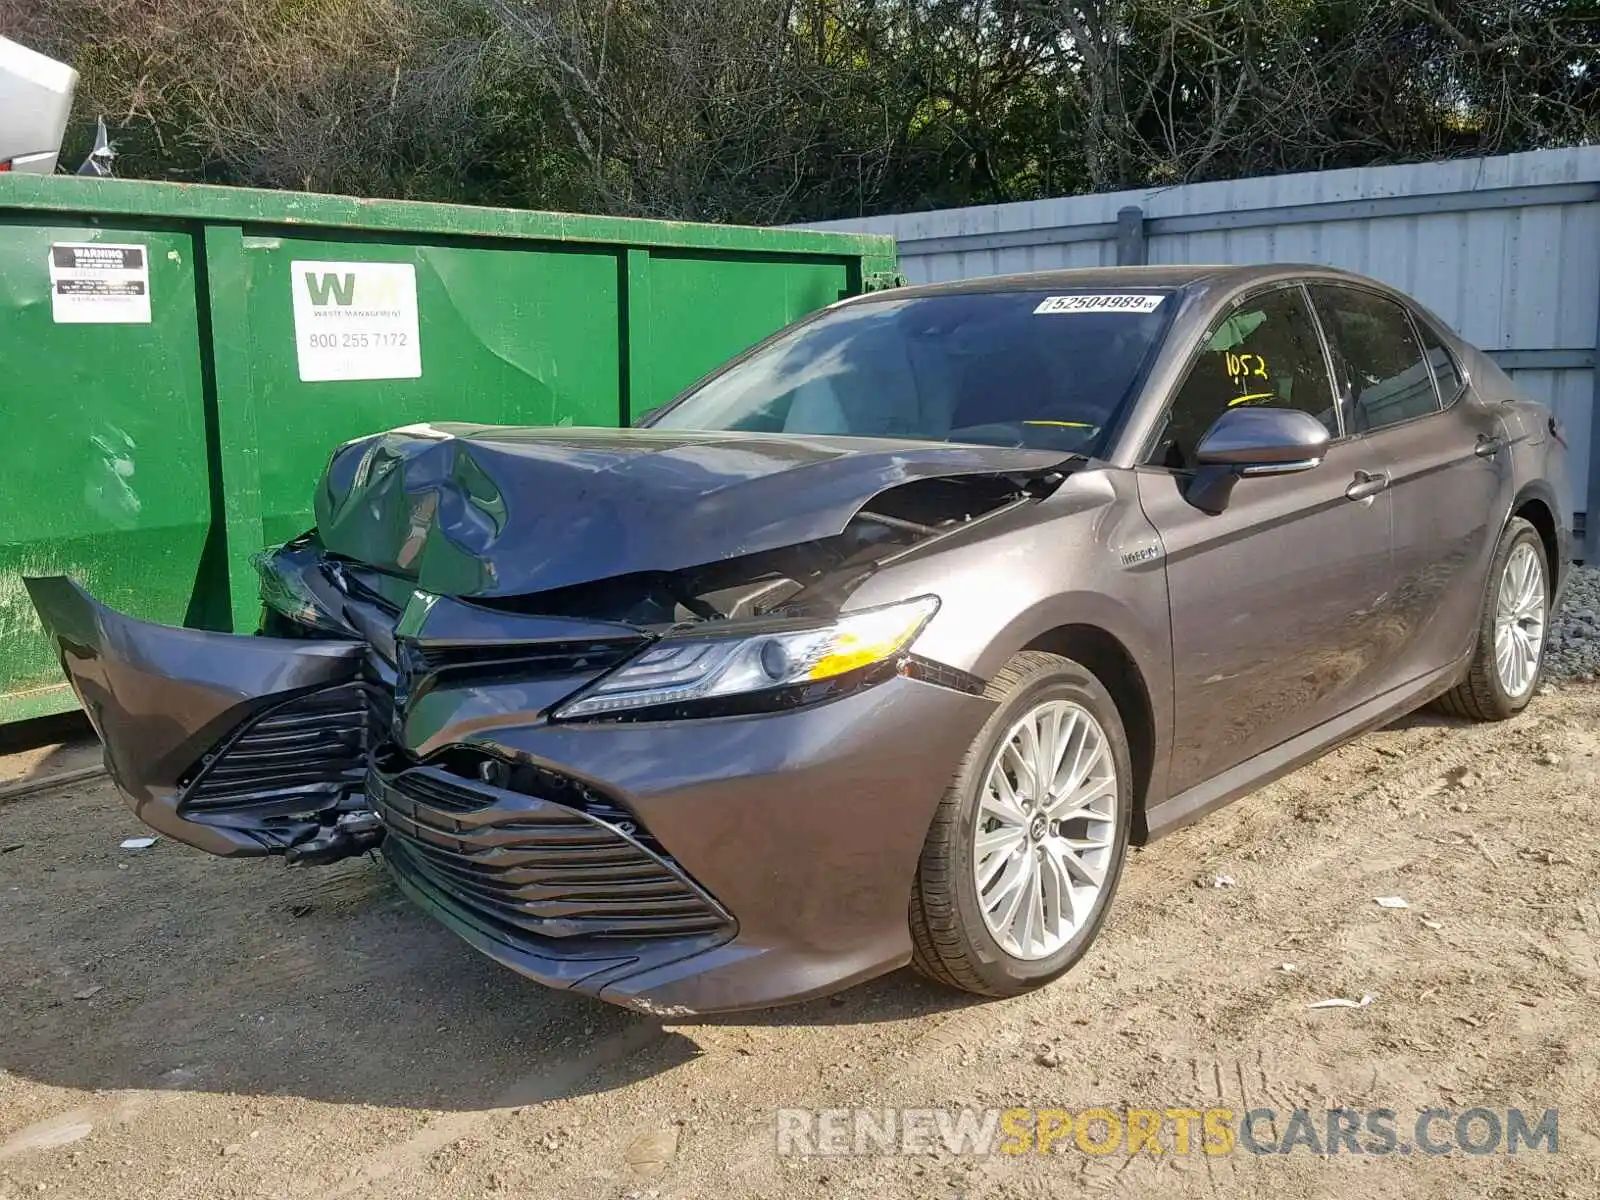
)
(1188, 806)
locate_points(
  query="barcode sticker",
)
(1130, 302)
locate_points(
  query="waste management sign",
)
(356, 320)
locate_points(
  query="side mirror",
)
(1253, 441)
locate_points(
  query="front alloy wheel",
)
(1027, 843)
(1046, 826)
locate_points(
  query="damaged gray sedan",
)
(879, 645)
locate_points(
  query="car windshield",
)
(1045, 369)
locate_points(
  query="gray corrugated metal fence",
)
(1507, 250)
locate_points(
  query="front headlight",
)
(680, 670)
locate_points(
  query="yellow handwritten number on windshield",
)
(1246, 366)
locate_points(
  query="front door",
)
(1275, 600)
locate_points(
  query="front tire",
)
(1015, 879)
(1509, 656)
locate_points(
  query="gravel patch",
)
(1573, 651)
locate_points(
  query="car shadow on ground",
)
(168, 969)
(901, 995)
(1426, 718)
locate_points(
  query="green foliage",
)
(788, 110)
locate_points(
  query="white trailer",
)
(35, 99)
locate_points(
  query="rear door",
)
(1275, 599)
(1404, 398)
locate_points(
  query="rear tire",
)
(1042, 851)
(1494, 687)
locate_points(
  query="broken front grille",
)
(522, 660)
(304, 753)
(524, 866)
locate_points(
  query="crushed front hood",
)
(476, 510)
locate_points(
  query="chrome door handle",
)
(1488, 447)
(1367, 485)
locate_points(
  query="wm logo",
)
(342, 288)
(377, 290)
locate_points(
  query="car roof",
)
(1176, 276)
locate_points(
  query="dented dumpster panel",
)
(505, 336)
(107, 476)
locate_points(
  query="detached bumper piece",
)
(197, 726)
(534, 875)
(293, 775)
(312, 746)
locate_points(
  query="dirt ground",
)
(177, 1026)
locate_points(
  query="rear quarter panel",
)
(1539, 456)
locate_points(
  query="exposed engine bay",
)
(307, 590)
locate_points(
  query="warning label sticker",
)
(98, 283)
(355, 320)
(1131, 302)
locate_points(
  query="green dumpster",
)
(177, 362)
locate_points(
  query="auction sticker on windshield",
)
(1124, 303)
(355, 320)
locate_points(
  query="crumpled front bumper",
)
(805, 826)
(675, 867)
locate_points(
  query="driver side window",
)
(1266, 352)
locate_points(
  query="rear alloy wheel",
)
(1027, 845)
(1510, 649)
(1519, 620)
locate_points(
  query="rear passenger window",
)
(1377, 359)
(1265, 353)
(1445, 372)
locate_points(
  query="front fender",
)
(1086, 557)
